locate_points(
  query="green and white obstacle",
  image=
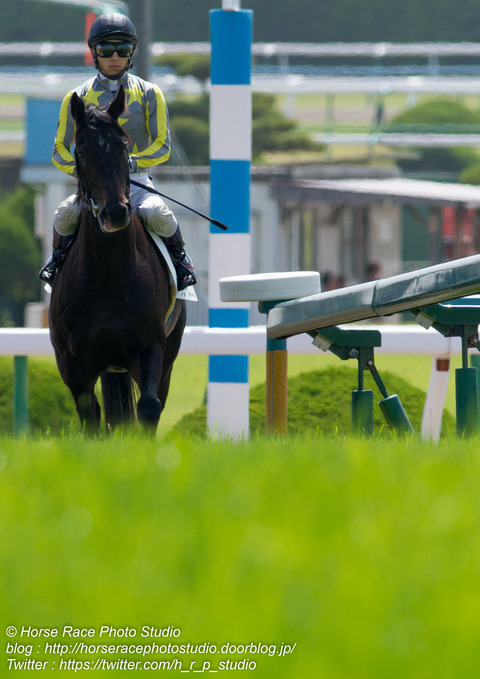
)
(269, 289)
(424, 293)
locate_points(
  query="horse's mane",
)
(98, 117)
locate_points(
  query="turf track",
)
(364, 554)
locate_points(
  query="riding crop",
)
(215, 222)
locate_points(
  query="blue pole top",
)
(231, 41)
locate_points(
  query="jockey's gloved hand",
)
(132, 164)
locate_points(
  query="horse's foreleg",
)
(149, 405)
(88, 409)
(83, 392)
(172, 348)
(164, 386)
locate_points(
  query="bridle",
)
(87, 201)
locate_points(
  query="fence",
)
(396, 339)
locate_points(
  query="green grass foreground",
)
(364, 554)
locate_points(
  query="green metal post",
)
(395, 414)
(362, 412)
(20, 395)
(475, 363)
(466, 394)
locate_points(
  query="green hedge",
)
(319, 403)
(52, 410)
(438, 115)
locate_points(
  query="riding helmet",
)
(111, 26)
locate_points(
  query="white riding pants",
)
(151, 209)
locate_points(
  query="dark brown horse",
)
(111, 298)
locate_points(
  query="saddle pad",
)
(189, 293)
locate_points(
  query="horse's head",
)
(101, 153)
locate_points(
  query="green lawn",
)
(363, 557)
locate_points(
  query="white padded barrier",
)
(268, 287)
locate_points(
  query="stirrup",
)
(48, 272)
(186, 275)
(46, 276)
(185, 281)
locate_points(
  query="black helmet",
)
(111, 26)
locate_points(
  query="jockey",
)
(112, 40)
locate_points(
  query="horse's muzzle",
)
(115, 217)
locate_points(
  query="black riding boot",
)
(181, 261)
(61, 245)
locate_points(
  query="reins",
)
(85, 199)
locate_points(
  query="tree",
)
(471, 174)
(437, 116)
(20, 256)
(272, 131)
(187, 64)
(189, 117)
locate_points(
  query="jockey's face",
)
(112, 67)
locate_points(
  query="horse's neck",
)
(106, 252)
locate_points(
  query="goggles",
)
(108, 49)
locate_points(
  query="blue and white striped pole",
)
(230, 156)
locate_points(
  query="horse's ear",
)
(77, 107)
(117, 106)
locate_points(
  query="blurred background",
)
(380, 93)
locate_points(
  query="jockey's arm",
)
(62, 156)
(158, 131)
